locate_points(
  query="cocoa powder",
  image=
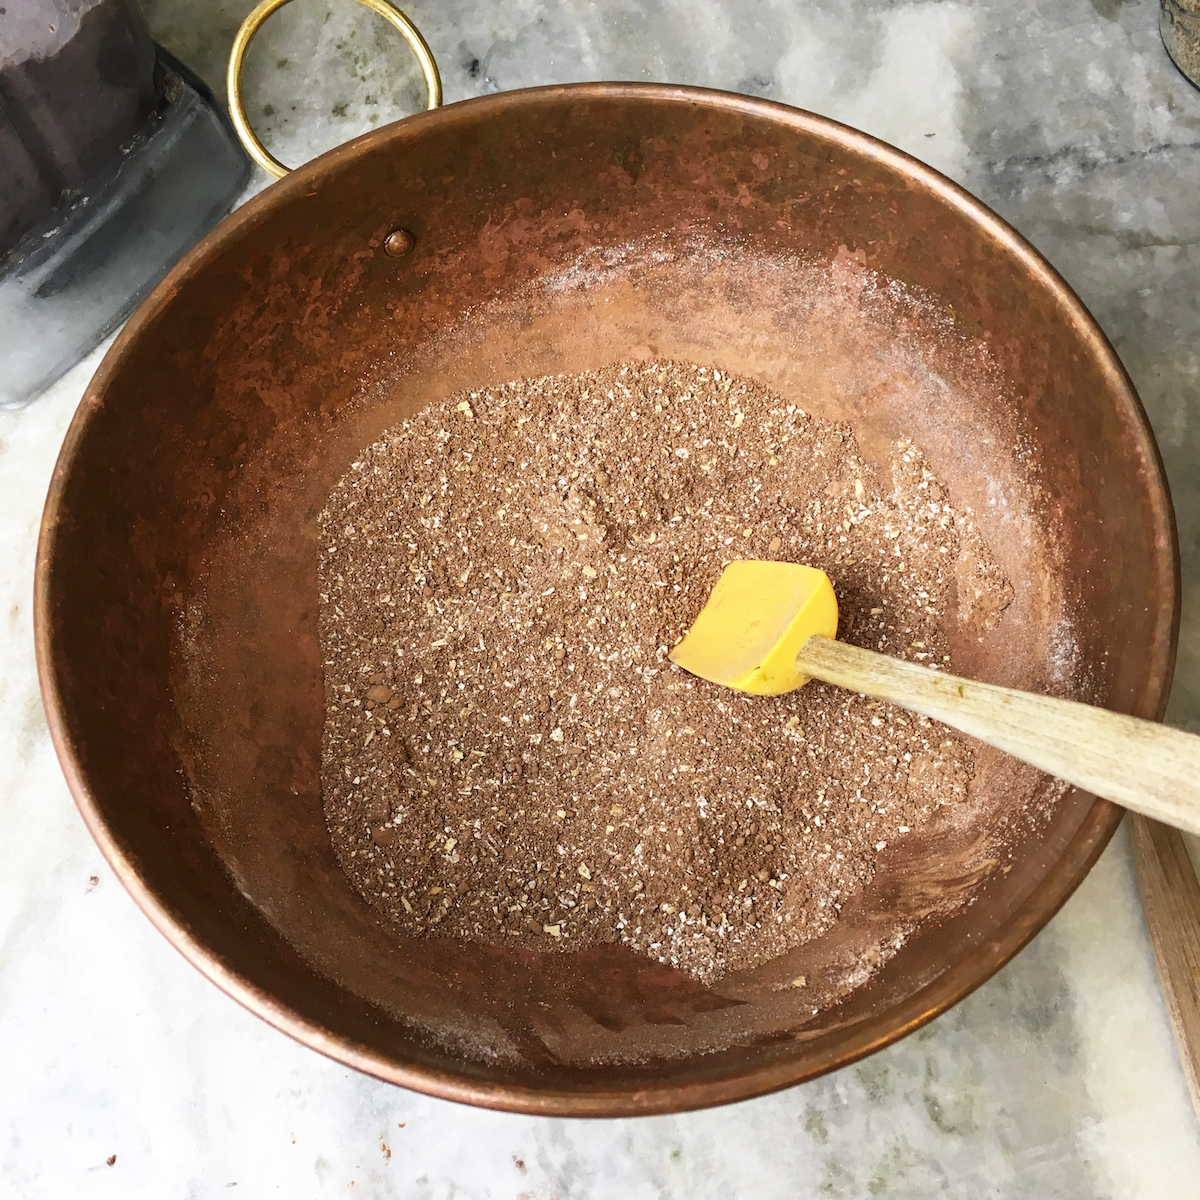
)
(508, 756)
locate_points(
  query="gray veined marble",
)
(1056, 1079)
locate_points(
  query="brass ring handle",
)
(252, 24)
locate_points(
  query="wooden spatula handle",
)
(1171, 898)
(1141, 765)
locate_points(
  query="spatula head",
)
(755, 623)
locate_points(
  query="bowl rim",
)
(866, 1036)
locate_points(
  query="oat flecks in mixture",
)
(507, 754)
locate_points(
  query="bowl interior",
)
(563, 230)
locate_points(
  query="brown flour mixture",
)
(507, 754)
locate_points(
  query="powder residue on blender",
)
(508, 756)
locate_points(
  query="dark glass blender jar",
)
(114, 160)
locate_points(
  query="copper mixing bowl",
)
(562, 229)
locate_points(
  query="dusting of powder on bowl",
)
(509, 757)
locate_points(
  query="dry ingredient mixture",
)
(508, 756)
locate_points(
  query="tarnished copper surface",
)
(558, 230)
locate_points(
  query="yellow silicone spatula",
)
(769, 627)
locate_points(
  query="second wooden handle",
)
(1171, 898)
(1138, 764)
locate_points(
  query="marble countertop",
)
(125, 1074)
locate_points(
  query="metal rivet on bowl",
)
(399, 243)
